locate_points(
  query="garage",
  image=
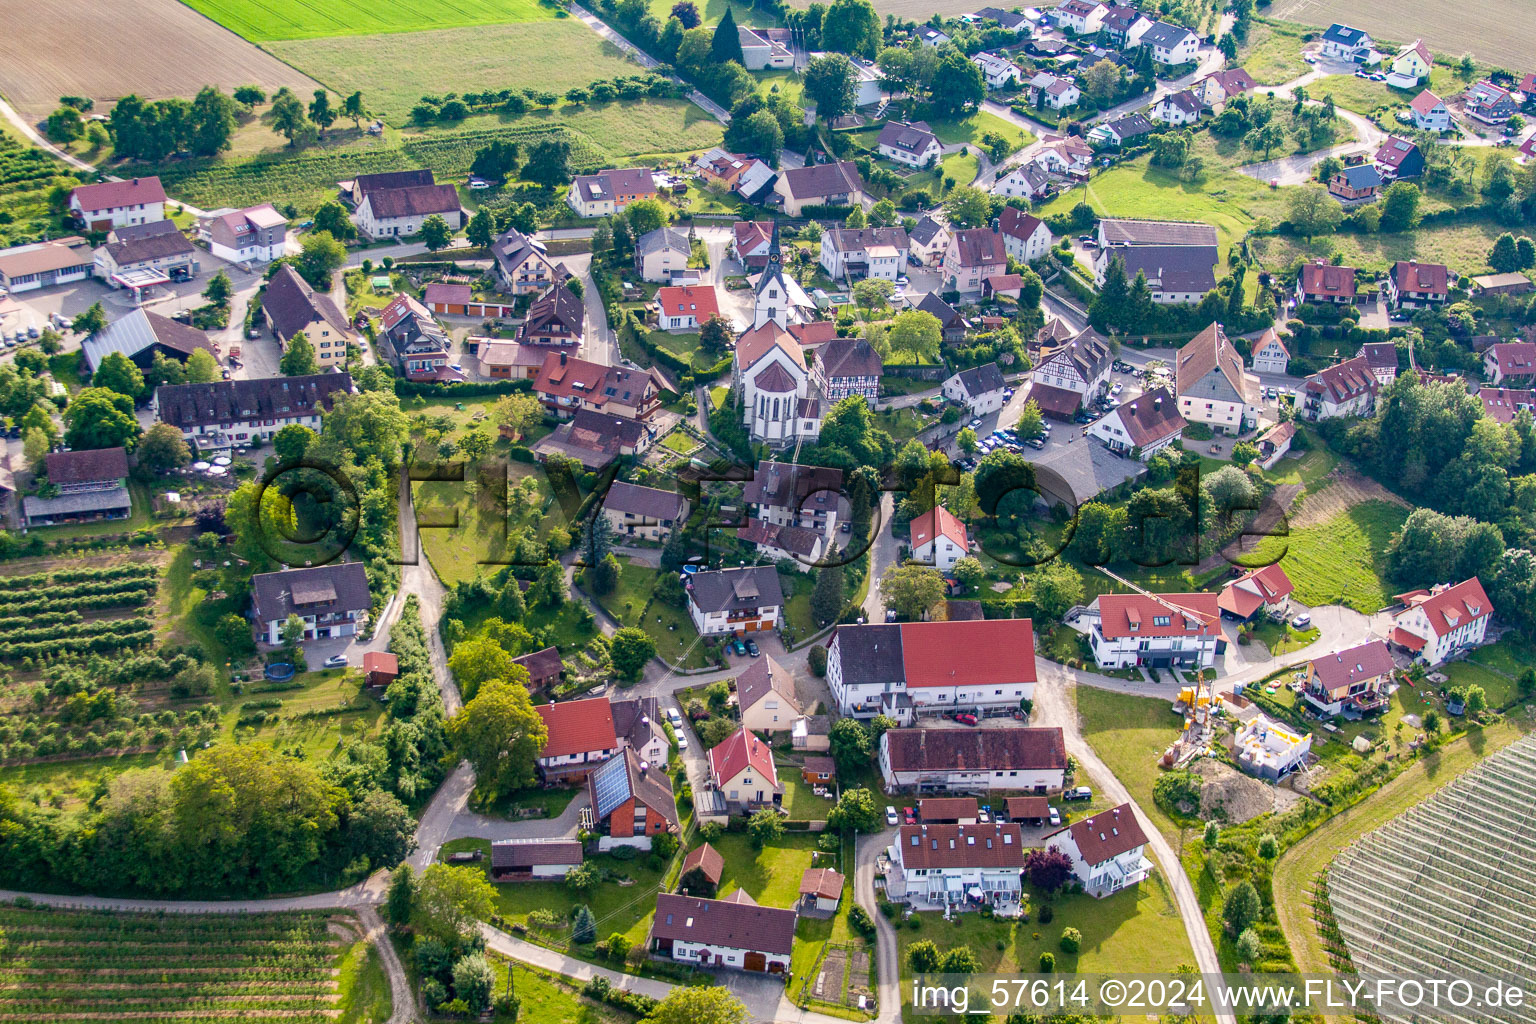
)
(755, 962)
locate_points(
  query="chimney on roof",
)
(562, 358)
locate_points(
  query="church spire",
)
(773, 243)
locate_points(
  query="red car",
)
(966, 719)
(911, 816)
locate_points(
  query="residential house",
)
(1430, 114)
(1117, 235)
(1025, 236)
(66, 260)
(1442, 622)
(331, 600)
(1381, 357)
(932, 37)
(972, 760)
(523, 266)
(534, 860)
(717, 167)
(662, 253)
(765, 696)
(1068, 157)
(1177, 108)
(1115, 133)
(146, 255)
(1172, 45)
(1108, 850)
(1358, 184)
(247, 411)
(1349, 682)
(141, 335)
(763, 48)
(643, 513)
(1083, 17)
(813, 334)
(1344, 389)
(744, 600)
(1141, 427)
(1411, 66)
(632, 800)
(834, 184)
(1341, 42)
(353, 192)
(608, 192)
(756, 181)
(913, 144)
(952, 325)
(974, 255)
(1490, 104)
(909, 669)
(1029, 180)
(400, 212)
(779, 401)
(858, 253)
(803, 496)
(998, 72)
(1213, 388)
(1263, 590)
(1268, 749)
(1215, 89)
(566, 384)
(1322, 282)
(1399, 158)
(545, 667)
(1157, 630)
(115, 204)
(1053, 91)
(420, 343)
(947, 810)
(290, 306)
(1174, 273)
(685, 307)
(509, 360)
(848, 366)
(821, 889)
(1418, 285)
(595, 438)
(928, 241)
(733, 932)
(1510, 363)
(979, 388)
(939, 539)
(1274, 443)
(557, 318)
(741, 768)
(1269, 354)
(749, 242)
(581, 737)
(1080, 367)
(1002, 286)
(957, 867)
(91, 484)
(1121, 22)
(256, 233)
(1011, 20)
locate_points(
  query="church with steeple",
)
(777, 297)
(780, 402)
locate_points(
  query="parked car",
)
(974, 424)
(1116, 388)
(890, 815)
(752, 648)
(738, 647)
(682, 743)
(909, 815)
(1055, 816)
(984, 816)
(966, 719)
(336, 661)
(1080, 793)
(1035, 443)
(1301, 621)
(675, 718)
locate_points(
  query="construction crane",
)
(1200, 710)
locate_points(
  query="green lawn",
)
(295, 19)
(677, 642)
(770, 875)
(684, 345)
(971, 129)
(137, 519)
(713, 10)
(548, 997)
(552, 802)
(1272, 54)
(786, 83)
(469, 534)
(961, 167)
(682, 442)
(1498, 688)
(1130, 733)
(1463, 246)
(364, 995)
(1364, 96)
(1341, 561)
(1310, 470)
(800, 801)
(1280, 638)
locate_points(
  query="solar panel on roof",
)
(611, 784)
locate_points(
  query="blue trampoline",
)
(280, 672)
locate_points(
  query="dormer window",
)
(1161, 620)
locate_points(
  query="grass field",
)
(466, 535)
(1364, 96)
(971, 129)
(363, 987)
(1462, 246)
(771, 876)
(547, 997)
(270, 20)
(677, 642)
(1272, 54)
(1499, 32)
(1341, 561)
(1310, 470)
(961, 167)
(1130, 733)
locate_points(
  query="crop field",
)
(1340, 561)
(263, 21)
(1498, 32)
(46, 613)
(27, 175)
(157, 48)
(253, 968)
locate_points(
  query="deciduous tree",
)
(499, 733)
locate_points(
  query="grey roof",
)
(231, 401)
(1185, 101)
(663, 238)
(614, 182)
(319, 590)
(870, 654)
(148, 248)
(134, 232)
(1175, 268)
(960, 750)
(293, 305)
(750, 587)
(915, 137)
(1084, 470)
(1088, 353)
(1117, 231)
(762, 676)
(1361, 176)
(637, 720)
(139, 330)
(860, 239)
(1131, 125)
(787, 486)
(80, 501)
(558, 306)
(650, 502)
(946, 313)
(1163, 34)
(926, 230)
(1007, 19)
(978, 380)
(849, 357)
(512, 249)
(87, 465)
(1344, 34)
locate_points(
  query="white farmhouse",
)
(580, 737)
(745, 600)
(116, 204)
(1270, 355)
(1025, 237)
(742, 769)
(913, 144)
(1145, 425)
(1108, 850)
(956, 867)
(903, 671)
(973, 760)
(733, 932)
(1158, 630)
(980, 389)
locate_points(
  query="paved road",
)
(23, 126)
(887, 957)
(1294, 170)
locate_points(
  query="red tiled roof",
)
(381, 661)
(817, 332)
(998, 651)
(578, 726)
(1349, 379)
(688, 300)
(1150, 417)
(1246, 594)
(130, 192)
(706, 857)
(1327, 281)
(1403, 638)
(441, 291)
(1107, 834)
(824, 883)
(1503, 404)
(1424, 102)
(947, 808)
(1453, 607)
(1513, 358)
(1197, 615)
(936, 522)
(1018, 224)
(739, 751)
(961, 846)
(1420, 279)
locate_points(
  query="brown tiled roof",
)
(1380, 354)
(128, 192)
(822, 180)
(1344, 381)
(1150, 417)
(87, 466)
(577, 727)
(961, 846)
(849, 357)
(293, 305)
(1027, 807)
(228, 401)
(1107, 834)
(724, 923)
(1325, 280)
(789, 486)
(947, 809)
(1035, 749)
(150, 247)
(1192, 615)
(650, 502)
(416, 201)
(1205, 352)
(516, 854)
(1357, 664)
(706, 857)
(823, 883)
(365, 183)
(978, 247)
(541, 664)
(762, 676)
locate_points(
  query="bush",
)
(818, 660)
(1071, 940)
(1047, 962)
(860, 921)
(1046, 914)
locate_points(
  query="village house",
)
(1268, 749)
(380, 668)
(1053, 91)
(932, 37)
(254, 234)
(545, 667)
(643, 513)
(848, 366)
(1029, 180)
(534, 860)
(974, 255)
(1083, 17)
(803, 496)
(749, 242)
(834, 184)
(1269, 354)
(1349, 682)
(331, 600)
(566, 384)
(1177, 109)
(114, 204)
(1490, 104)
(141, 335)
(1438, 624)
(1417, 285)
(1326, 283)
(1264, 590)
(1115, 133)
(1381, 357)
(733, 932)
(1213, 387)
(858, 253)
(662, 254)
(245, 412)
(1215, 89)
(909, 669)
(581, 737)
(1341, 42)
(685, 307)
(523, 266)
(1025, 237)
(801, 547)
(981, 389)
(91, 484)
(1141, 427)
(957, 867)
(557, 317)
(741, 768)
(1430, 114)
(1358, 184)
(765, 696)
(973, 760)
(1510, 363)
(595, 439)
(400, 212)
(779, 401)
(1077, 372)
(459, 300)
(1108, 850)
(1503, 284)
(1171, 45)
(419, 342)
(290, 307)
(928, 241)
(743, 600)
(1344, 389)
(763, 48)
(821, 889)
(632, 800)
(913, 144)
(1504, 404)
(145, 255)
(353, 192)
(608, 192)
(1177, 258)
(1120, 21)
(1399, 158)
(939, 539)
(998, 72)
(1069, 157)
(1410, 66)
(1155, 630)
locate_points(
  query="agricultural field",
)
(27, 175)
(1499, 32)
(1339, 561)
(77, 612)
(272, 20)
(158, 48)
(302, 968)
